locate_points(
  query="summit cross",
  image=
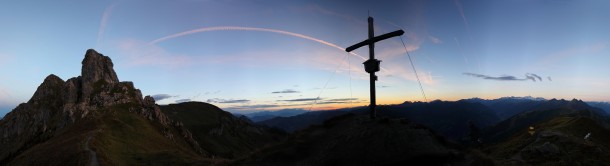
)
(372, 65)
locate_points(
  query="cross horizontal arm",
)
(374, 39)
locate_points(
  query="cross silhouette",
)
(372, 65)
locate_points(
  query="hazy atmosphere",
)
(270, 82)
(269, 55)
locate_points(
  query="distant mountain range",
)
(603, 105)
(265, 115)
(302, 121)
(506, 107)
(454, 124)
(453, 116)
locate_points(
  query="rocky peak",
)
(149, 101)
(96, 68)
(59, 104)
(50, 89)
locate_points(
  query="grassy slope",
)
(202, 118)
(63, 149)
(119, 137)
(125, 138)
(569, 133)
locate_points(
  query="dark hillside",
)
(357, 140)
(558, 141)
(219, 132)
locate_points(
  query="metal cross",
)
(372, 65)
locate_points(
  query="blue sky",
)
(248, 55)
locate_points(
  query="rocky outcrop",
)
(97, 69)
(32, 122)
(57, 104)
(71, 90)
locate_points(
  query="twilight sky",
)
(267, 55)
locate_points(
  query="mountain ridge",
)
(97, 119)
(57, 106)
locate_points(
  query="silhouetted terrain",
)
(95, 119)
(558, 141)
(454, 124)
(293, 123)
(449, 119)
(506, 107)
(265, 115)
(218, 132)
(351, 139)
(603, 105)
(548, 110)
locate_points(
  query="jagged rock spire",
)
(96, 67)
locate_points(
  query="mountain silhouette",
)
(265, 115)
(96, 119)
(302, 121)
(505, 107)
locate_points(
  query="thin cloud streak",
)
(343, 99)
(461, 11)
(227, 101)
(435, 40)
(183, 100)
(536, 76)
(287, 91)
(103, 23)
(251, 107)
(528, 76)
(301, 99)
(236, 28)
(159, 97)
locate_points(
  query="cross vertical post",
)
(372, 65)
(372, 76)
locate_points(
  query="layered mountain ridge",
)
(57, 105)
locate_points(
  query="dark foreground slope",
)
(558, 135)
(219, 132)
(356, 140)
(447, 118)
(559, 141)
(546, 111)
